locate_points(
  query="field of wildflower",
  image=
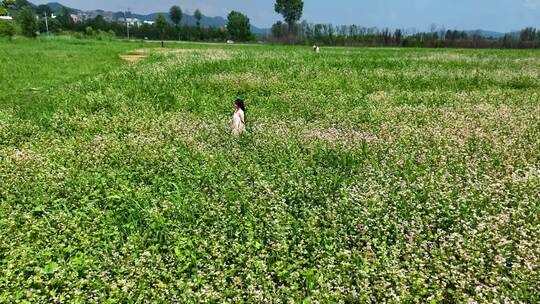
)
(365, 175)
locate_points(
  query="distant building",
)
(85, 15)
(6, 18)
(149, 22)
(106, 15)
(74, 18)
(130, 21)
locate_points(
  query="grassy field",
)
(366, 175)
(30, 70)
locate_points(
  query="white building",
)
(6, 18)
(130, 21)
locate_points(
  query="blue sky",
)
(497, 15)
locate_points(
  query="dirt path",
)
(132, 58)
(140, 54)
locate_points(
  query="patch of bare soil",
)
(132, 58)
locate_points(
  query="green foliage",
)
(54, 25)
(5, 5)
(7, 28)
(528, 34)
(44, 10)
(238, 26)
(89, 31)
(64, 16)
(20, 4)
(98, 23)
(198, 16)
(367, 175)
(161, 25)
(98, 34)
(291, 10)
(175, 14)
(279, 30)
(28, 22)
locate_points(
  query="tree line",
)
(290, 30)
(32, 21)
(355, 35)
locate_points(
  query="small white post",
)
(46, 23)
(127, 24)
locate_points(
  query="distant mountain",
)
(55, 6)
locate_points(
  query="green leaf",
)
(50, 268)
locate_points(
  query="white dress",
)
(238, 124)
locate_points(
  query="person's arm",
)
(242, 117)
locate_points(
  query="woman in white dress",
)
(238, 119)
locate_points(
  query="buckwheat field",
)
(365, 175)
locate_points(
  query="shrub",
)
(27, 19)
(89, 31)
(7, 28)
(53, 24)
(77, 35)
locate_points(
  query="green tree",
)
(43, 9)
(89, 31)
(397, 36)
(5, 5)
(27, 19)
(19, 4)
(7, 28)
(64, 16)
(291, 10)
(527, 34)
(98, 23)
(238, 26)
(175, 13)
(279, 29)
(161, 25)
(54, 25)
(198, 17)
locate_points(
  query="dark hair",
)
(240, 103)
